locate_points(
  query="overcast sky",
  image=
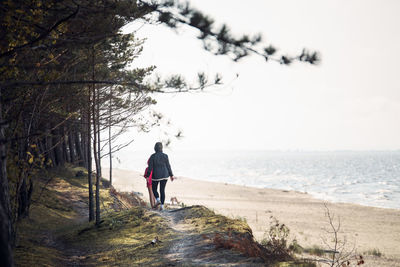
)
(350, 101)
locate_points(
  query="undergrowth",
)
(57, 232)
(122, 239)
(35, 245)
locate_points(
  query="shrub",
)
(276, 239)
(243, 243)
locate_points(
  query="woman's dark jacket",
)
(159, 163)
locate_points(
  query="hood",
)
(158, 147)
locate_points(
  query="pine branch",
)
(41, 36)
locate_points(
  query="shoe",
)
(162, 207)
(158, 202)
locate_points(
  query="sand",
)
(364, 228)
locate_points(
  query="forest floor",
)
(57, 232)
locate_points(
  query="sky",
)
(350, 101)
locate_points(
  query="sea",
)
(367, 178)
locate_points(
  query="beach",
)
(364, 228)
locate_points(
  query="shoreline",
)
(368, 228)
(313, 195)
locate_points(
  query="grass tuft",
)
(315, 250)
(374, 252)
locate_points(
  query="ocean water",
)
(366, 178)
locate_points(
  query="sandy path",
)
(187, 244)
(193, 249)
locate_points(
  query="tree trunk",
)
(78, 147)
(59, 157)
(89, 161)
(96, 159)
(24, 197)
(98, 130)
(6, 255)
(109, 136)
(98, 143)
(71, 148)
(42, 146)
(85, 138)
(50, 154)
(110, 152)
(95, 141)
(64, 147)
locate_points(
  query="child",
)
(149, 186)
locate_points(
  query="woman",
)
(159, 164)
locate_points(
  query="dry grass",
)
(235, 234)
(242, 243)
(125, 200)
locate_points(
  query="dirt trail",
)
(191, 248)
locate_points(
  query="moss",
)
(30, 254)
(122, 226)
(122, 239)
(207, 221)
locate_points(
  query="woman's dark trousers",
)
(154, 185)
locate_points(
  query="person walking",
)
(159, 163)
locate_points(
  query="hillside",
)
(57, 232)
